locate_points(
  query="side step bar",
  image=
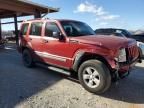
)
(59, 70)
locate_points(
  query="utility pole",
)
(0, 30)
(16, 27)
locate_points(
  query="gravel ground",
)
(21, 87)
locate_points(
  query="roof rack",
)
(35, 19)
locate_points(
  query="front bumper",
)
(133, 56)
(125, 67)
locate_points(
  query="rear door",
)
(23, 35)
(35, 37)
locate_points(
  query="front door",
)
(54, 50)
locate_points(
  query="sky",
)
(127, 14)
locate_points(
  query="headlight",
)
(121, 56)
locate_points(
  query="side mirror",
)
(56, 34)
(59, 36)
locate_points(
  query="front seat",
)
(68, 31)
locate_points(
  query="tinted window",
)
(50, 28)
(75, 28)
(36, 28)
(126, 33)
(24, 29)
(118, 34)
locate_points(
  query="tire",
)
(27, 58)
(94, 76)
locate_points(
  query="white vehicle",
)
(141, 46)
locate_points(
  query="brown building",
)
(18, 8)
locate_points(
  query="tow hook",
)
(116, 74)
(140, 60)
(117, 77)
(125, 74)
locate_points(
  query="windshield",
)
(75, 28)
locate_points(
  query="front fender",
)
(77, 59)
(80, 55)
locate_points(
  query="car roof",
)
(47, 19)
(109, 29)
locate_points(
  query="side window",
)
(24, 29)
(36, 28)
(50, 28)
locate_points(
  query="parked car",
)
(108, 31)
(141, 46)
(10, 38)
(9, 35)
(72, 47)
(122, 33)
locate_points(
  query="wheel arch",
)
(84, 56)
(25, 47)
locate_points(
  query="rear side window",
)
(24, 29)
(36, 28)
(50, 28)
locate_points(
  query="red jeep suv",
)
(72, 47)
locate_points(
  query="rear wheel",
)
(94, 76)
(27, 58)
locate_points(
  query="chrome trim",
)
(49, 38)
(34, 36)
(51, 56)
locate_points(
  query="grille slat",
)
(133, 53)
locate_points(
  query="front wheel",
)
(94, 76)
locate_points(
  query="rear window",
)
(24, 28)
(36, 28)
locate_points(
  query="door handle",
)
(30, 39)
(74, 41)
(45, 41)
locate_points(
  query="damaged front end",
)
(126, 59)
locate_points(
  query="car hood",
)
(110, 42)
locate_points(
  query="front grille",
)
(132, 53)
